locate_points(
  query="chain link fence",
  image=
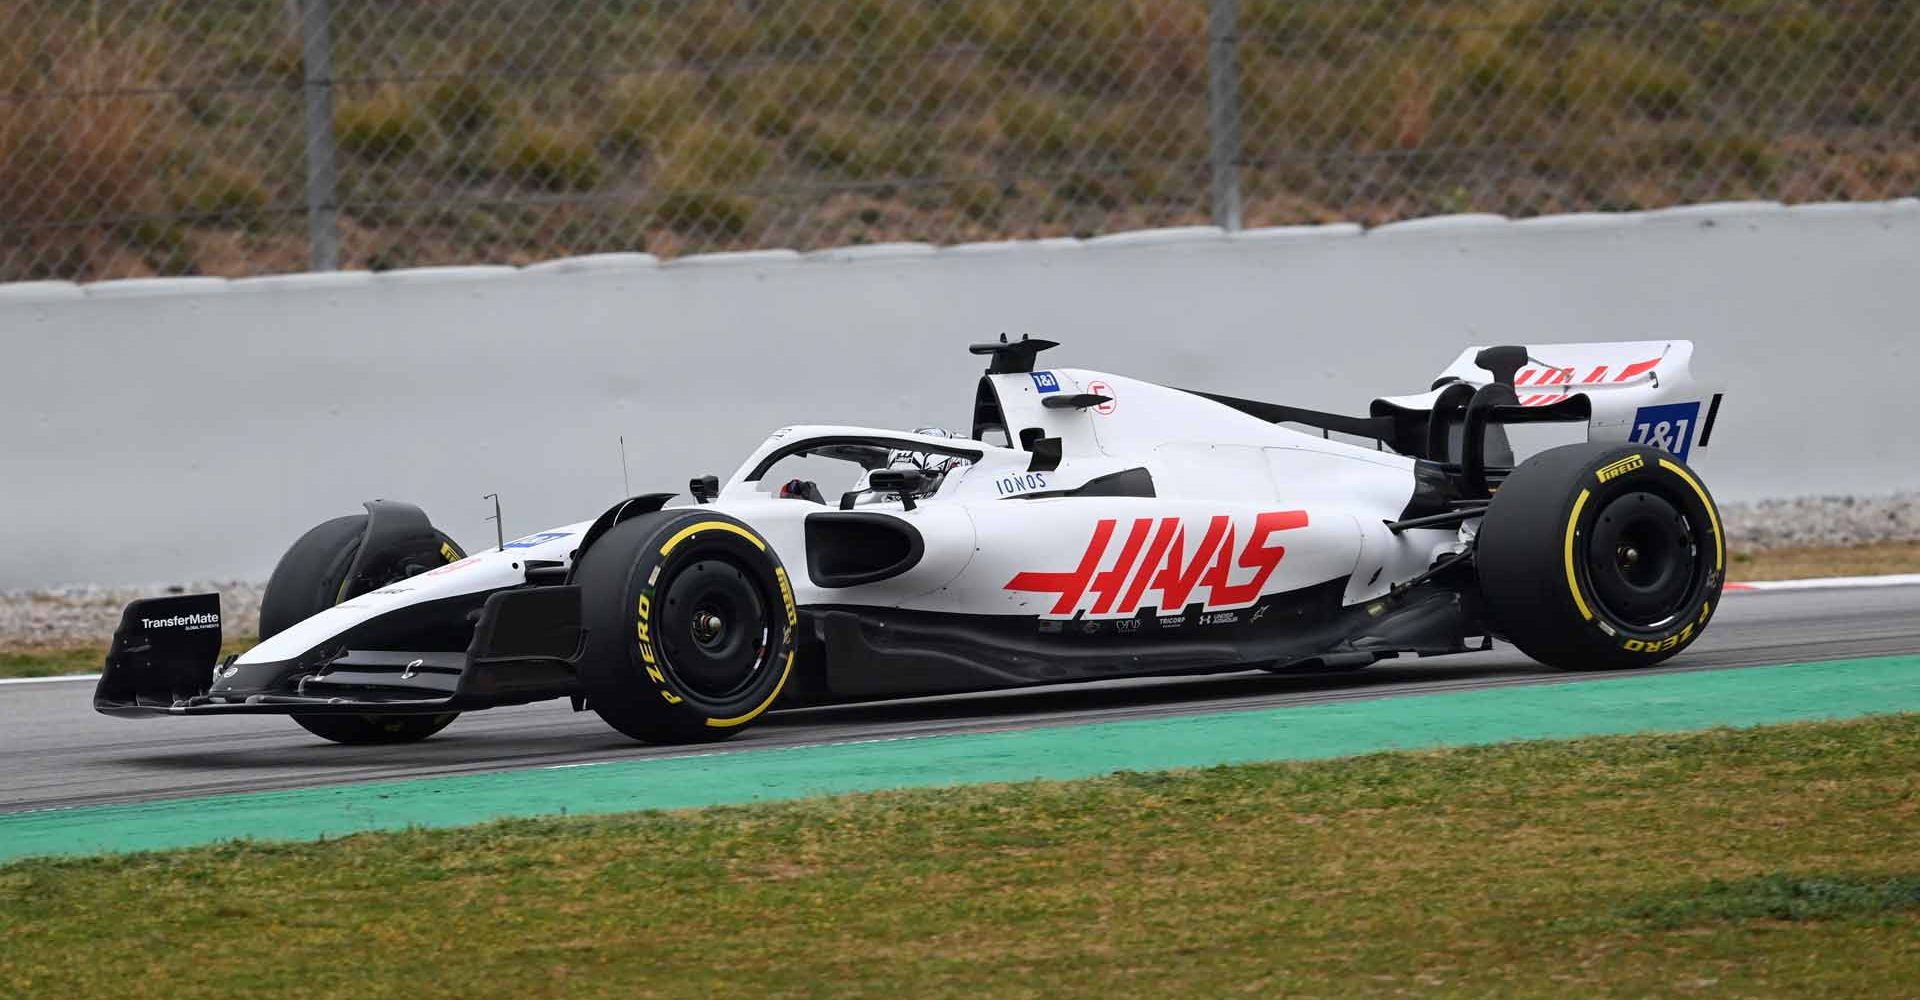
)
(233, 137)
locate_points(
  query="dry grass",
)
(1803, 563)
(1757, 863)
(83, 158)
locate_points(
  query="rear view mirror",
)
(905, 482)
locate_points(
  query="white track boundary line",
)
(1760, 586)
(1827, 583)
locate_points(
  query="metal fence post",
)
(1223, 110)
(323, 224)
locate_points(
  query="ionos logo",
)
(188, 622)
(1621, 468)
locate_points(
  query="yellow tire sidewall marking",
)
(786, 593)
(1672, 640)
(1573, 578)
(1719, 542)
(694, 529)
(754, 712)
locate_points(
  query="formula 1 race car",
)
(1089, 526)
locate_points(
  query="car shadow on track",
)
(1168, 695)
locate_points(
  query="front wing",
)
(163, 662)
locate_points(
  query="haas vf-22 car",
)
(1088, 526)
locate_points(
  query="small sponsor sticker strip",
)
(532, 541)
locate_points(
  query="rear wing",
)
(1642, 392)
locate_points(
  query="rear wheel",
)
(1601, 557)
(691, 626)
(312, 577)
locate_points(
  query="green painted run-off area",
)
(1601, 706)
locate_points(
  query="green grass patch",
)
(53, 661)
(1629, 866)
(1780, 897)
(41, 661)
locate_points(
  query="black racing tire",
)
(312, 577)
(691, 626)
(1601, 557)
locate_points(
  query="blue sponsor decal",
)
(532, 540)
(1021, 483)
(1045, 382)
(1669, 428)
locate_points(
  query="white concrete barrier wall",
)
(191, 428)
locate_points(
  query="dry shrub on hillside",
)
(506, 130)
(77, 153)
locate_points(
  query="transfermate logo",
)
(189, 622)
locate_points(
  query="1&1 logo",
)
(1668, 428)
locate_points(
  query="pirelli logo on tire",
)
(1658, 645)
(1614, 471)
(786, 596)
(1673, 641)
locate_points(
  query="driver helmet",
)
(933, 465)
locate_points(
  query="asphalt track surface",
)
(58, 752)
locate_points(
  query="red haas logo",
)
(1547, 378)
(1167, 569)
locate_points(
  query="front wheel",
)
(312, 577)
(691, 626)
(1601, 557)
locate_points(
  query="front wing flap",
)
(526, 642)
